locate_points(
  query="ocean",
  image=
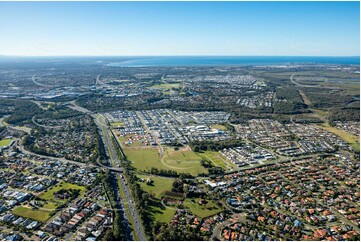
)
(230, 61)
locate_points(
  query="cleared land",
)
(349, 138)
(50, 206)
(3, 122)
(305, 98)
(37, 214)
(117, 124)
(144, 158)
(125, 141)
(219, 126)
(218, 160)
(5, 142)
(166, 86)
(159, 185)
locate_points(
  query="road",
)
(40, 84)
(23, 150)
(44, 126)
(127, 197)
(81, 164)
(219, 227)
(74, 106)
(313, 86)
(97, 81)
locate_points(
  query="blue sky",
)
(180, 28)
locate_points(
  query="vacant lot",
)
(349, 138)
(49, 195)
(219, 126)
(159, 185)
(218, 160)
(49, 206)
(38, 215)
(166, 86)
(144, 158)
(5, 142)
(117, 124)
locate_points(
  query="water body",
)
(232, 61)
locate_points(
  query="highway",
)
(312, 86)
(38, 83)
(125, 193)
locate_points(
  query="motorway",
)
(134, 218)
(38, 83)
(312, 86)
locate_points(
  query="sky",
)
(180, 28)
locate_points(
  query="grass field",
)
(349, 138)
(116, 124)
(218, 160)
(50, 206)
(320, 113)
(202, 211)
(5, 142)
(166, 86)
(3, 122)
(38, 215)
(49, 195)
(159, 186)
(179, 161)
(144, 158)
(184, 161)
(219, 126)
(162, 215)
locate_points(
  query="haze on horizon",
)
(180, 28)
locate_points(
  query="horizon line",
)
(180, 56)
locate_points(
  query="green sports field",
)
(144, 159)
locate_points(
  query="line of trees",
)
(118, 231)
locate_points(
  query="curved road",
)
(44, 126)
(40, 84)
(317, 86)
(23, 150)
